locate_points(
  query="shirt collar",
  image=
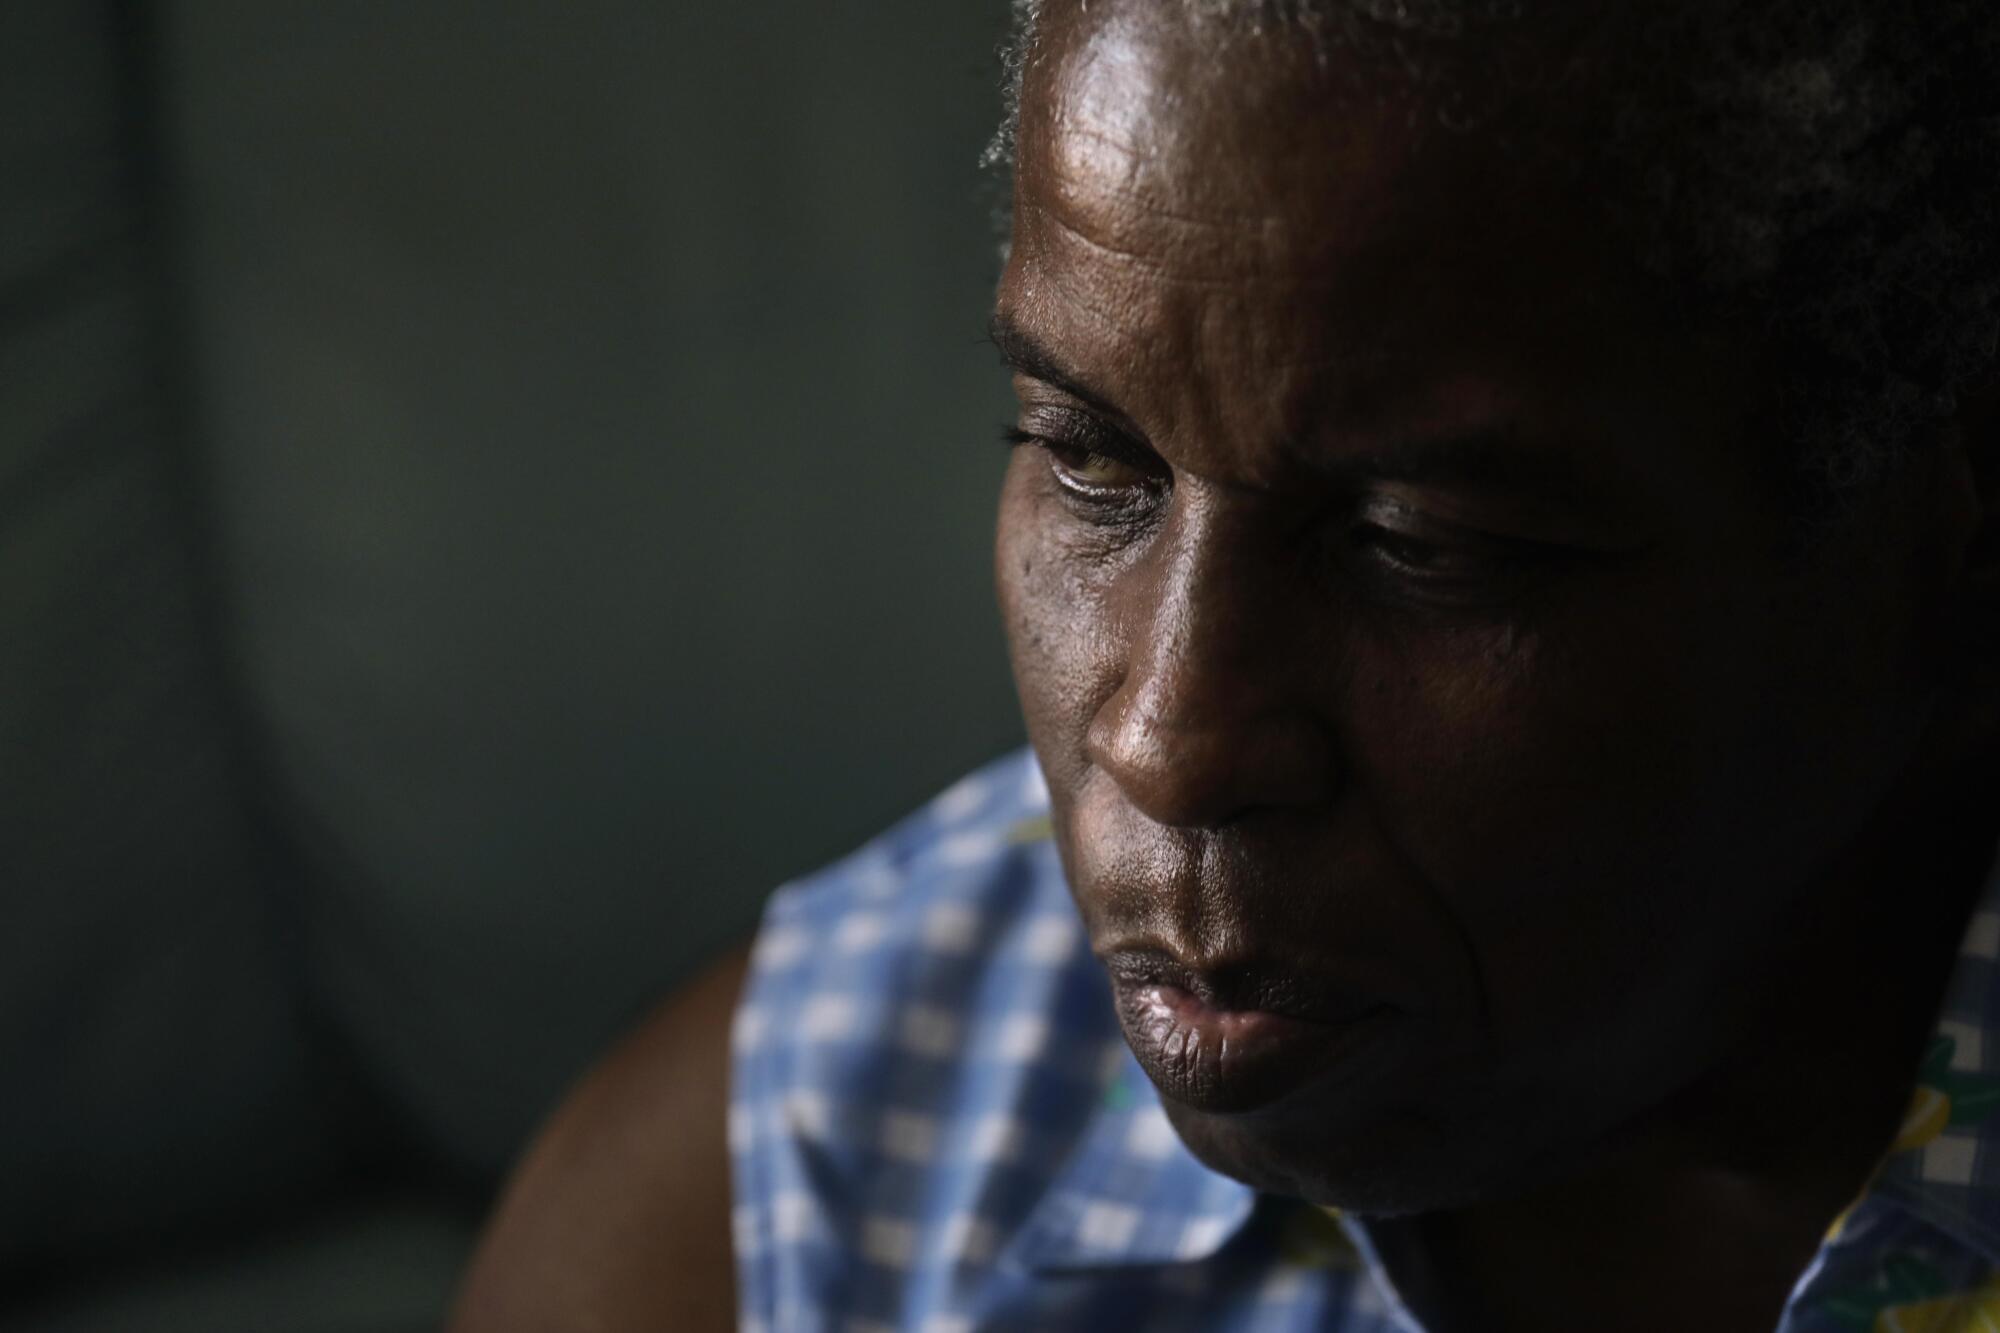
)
(1132, 1194)
(1944, 1167)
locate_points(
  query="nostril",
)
(1186, 770)
(1158, 772)
(1215, 711)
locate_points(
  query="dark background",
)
(486, 492)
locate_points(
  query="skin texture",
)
(617, 1218)
(1403, 620)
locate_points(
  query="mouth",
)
(1233, 1038)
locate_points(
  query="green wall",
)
(602, 447)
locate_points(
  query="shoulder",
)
(617, 1216)
(923, 1040)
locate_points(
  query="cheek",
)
(1053, 612)
(1610, 803)
(1535, 802)
(1495, 758)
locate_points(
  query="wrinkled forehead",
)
(1247, 149)
(1258, 236)
(1145, 129)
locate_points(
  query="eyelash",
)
(1472, 571)
(1102, 503)
(1393, 558)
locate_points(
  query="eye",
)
(1101, 476)
(1409, 555)
(1092, 471)
(1418, 555)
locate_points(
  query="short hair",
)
(1826, 169)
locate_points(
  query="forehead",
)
(1252, 226)
(1217, 153)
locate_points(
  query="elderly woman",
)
(1502, 572)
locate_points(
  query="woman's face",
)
(1443, 756)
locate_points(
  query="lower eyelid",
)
(1070, 482)
(1107, 506)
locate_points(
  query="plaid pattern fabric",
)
(1920, 1252)
(936, 1126)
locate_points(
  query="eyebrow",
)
(1493, 457)
(1027, 355)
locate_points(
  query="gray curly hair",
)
(1828, 170)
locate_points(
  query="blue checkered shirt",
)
(935, 1125)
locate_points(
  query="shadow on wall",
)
(599, 424)
(584, 528)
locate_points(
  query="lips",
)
(1234, 1039)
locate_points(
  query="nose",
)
(1214, 717)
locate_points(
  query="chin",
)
(1390, 1162)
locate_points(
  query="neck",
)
(1720, 1198)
